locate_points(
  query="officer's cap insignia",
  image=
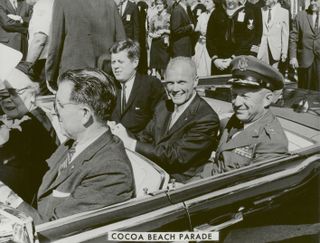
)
(242, 64)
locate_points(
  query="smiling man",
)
(183, 131)
(253, 133)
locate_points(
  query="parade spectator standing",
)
(182, 30)
(143, 63)
(275, 35)
(253, 133)
(231, 32)
(14, 21)
(81, 32)
(183, 131)
(201, 56)
(159, 32)
(137, 94)
(129, 13)
(90, 170)
(198, 8)
(39, 31)
(305, 46)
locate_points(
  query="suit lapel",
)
(185, 117)
(10, 7)
(76, 164)
(310, 20)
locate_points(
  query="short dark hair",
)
(94, 88)
(132, 47)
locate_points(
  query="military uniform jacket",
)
(265, 139)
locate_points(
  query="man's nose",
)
(237, 100)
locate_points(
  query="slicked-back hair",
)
(179, 61)
(132, 48)
(94, 88)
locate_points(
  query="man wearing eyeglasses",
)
(90, 170)
(183, 131)
(27, 137)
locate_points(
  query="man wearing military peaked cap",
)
(253, 133)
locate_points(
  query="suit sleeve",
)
(11, 25)
(120, 33)
(200, 138)
(211, 37)
(177, 29)
(56, 43)
(136, 27)
(294, 38)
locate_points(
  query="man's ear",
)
(268, 98)
(135, 63)
(196, 80)
(87, 116)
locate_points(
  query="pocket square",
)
(57, 193)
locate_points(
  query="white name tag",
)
(56, 193)
(241, 16)
(128, 17)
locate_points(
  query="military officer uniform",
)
(241, 145)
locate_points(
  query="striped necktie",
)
(68, 159)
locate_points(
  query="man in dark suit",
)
(138, 94)
(129, 13)
(304, 48)
(253, 133)
(81, 31)
(181, 30)
(14, 20)
(183, 131)
(90, 170)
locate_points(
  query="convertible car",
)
(249, 196)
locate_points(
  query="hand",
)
(120, 131)
(15, 17)
(254, 49)
(294, 62)
(221, 64)
(9, 197)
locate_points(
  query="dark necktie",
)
(123, 98)
(68, 159)
(190, 14)
(269, 16)
(316, 24)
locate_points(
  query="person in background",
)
(181, 30)
(159, 32)
(253, 133)
(39, 28)
(273, 49)
(91, 169)
(304, 51)
(14, 21)
(232, 30)
(183, 131)
(201, 57)
(129, 13)
(82, 33)
(138, 94)
(143, 62)
(27, 137)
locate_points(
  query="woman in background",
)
(201, 57)
(159, 32)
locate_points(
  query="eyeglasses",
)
(6, 93)
(61, 105)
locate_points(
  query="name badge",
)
(128, 17)
(241, 16)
